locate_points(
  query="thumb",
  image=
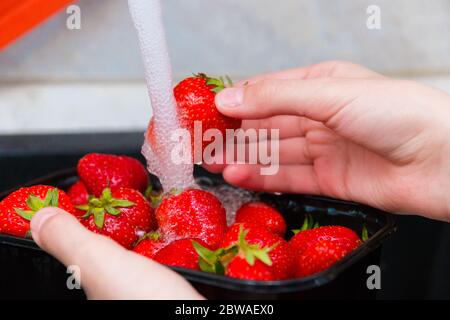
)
(107, 270)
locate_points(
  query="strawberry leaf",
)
(250, 257)
(229, 81)
(211, 261)
(99, 217)
(122, 203)
(207, 255)
(96, 202)
(305, 223)
(83, 207)
(53, 197)
(364, 234)
(106, 194)
(112, 210)
(252, 252)
(34, 203)
(26, 214)
(263, 256)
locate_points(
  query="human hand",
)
(349, 133)
(107, 270)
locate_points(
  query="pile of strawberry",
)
(185, 229)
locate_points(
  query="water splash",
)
(147, 19)
(232, 198)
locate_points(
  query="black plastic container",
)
(28, 272)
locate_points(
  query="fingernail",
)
(39, 220)
(230, 98)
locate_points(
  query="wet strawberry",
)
(17, 209)
(180, 253)
(99, 171)
(317, 249)
(78, 194)
(121, 214)
(193, 213)
(248, 252)
(195, 100)
(150, 244)
(260, 213)
(256, 240)
(240, 268)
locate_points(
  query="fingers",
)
(288, 126)
(290, 151)
(317, 99)
(327, 69)
(289, 179)
(107, 270)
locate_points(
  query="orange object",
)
(19, 16)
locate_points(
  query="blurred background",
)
(66, 92)
(92, 79)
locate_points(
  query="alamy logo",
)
(73, 21)
(74, 280)
(250, 146)
(374, 17)
(374, 280)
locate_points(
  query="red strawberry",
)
(195, 99)
(17, 209)
(99, 171)
(150, 244)
(317, 249)
(248, 252)
(262, 214)
(180, 253)
(121, 214)
(240, 268)
(78, 193)
(193, 213)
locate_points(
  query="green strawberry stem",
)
(155, 197)
(211, 261)
(35, 204)
(152, 235)
(99, 207)
(364, 234)
(217, 84)
(251, 252)
(216, 261)
(308, 223)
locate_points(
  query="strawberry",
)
(99, 171)
(262, 214)
(256, 240)
(195, 100)
(149, 244)
(249, 252)
(240, 268)
(317, 249)
(193, 213)
(17, 209)
(78, 193)
(121, 214)
(180, 253)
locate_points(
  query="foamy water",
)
(232, 198)
(146, 16)
(147, 19)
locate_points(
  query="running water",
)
(147, 19)
(146, 16)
